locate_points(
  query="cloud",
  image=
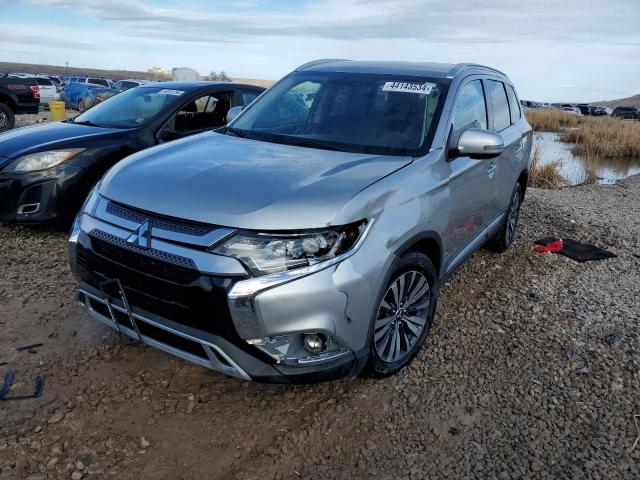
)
(483, 21)
(542, 45)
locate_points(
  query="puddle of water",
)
(575, 169)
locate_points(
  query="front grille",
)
(178, 226)
(186, 297)
(151, 331)
(156, 261)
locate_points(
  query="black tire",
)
(7, 118)
(503, 238)
(412, 267)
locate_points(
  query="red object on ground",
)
(553, 247)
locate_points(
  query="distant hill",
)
(622, 102)
(6, 67)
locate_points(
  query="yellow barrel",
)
(57, 110)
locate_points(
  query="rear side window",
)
(501, 114)
(248, 97)
(98, 81)
(514, 105)
(470, 110)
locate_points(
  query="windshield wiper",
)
(320, 145)
(236, 132)
(86, 122)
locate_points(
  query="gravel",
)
(530, 371)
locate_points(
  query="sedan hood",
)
(224, 180)
(38, 138)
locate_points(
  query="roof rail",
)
(321, 61)
(460, 66)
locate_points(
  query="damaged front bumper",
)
(206, 309)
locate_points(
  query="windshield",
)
(367, 113)
(132, 108)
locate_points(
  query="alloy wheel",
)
(402, 316)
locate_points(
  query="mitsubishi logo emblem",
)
(141, 237)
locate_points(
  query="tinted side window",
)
(501, 114)
(470, 110)
(208, 111)
(44, 82)
(248, 97)
(98, 81)
(514, 105)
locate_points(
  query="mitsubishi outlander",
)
(307, 241)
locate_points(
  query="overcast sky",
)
(568, 50)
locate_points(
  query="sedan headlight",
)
(265, 253)
(42, 160)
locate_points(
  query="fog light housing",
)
(315, 343)
(300, 349)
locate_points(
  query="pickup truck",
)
(17, 96)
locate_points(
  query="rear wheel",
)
(404, 314)
(82, 106)
(503, 238)
(7, 118)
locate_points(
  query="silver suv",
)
(308, 240)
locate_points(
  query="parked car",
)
(308, 240)
(17, 96)
(598, 111)
(627, 113)
(82, 96)
(48, 90)
(56, 79)
(585, 108)
(568, 107)
(46, 170)
(122, 85)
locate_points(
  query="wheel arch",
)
(8, 101)
(429, 243)
(523, 180)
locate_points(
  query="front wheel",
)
(403, 315)
(7, 118)
(503, 238)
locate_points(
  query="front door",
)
(470, 181)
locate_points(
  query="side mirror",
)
(233, 113)
(479, 144)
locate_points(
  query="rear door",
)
(504, 116)
(470, 182)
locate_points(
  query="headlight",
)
(265, 253)
(91, 202)
(89, 207)
(42, 160)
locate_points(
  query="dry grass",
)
(549, 120)
(545, 176)
(594, 138)
(605, 138)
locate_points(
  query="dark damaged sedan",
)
(47, 170)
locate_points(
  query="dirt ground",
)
(530, 371)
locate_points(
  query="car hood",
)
(46, 136)
(224, 180)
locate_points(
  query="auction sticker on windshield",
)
(409, 87)
(170, 91)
